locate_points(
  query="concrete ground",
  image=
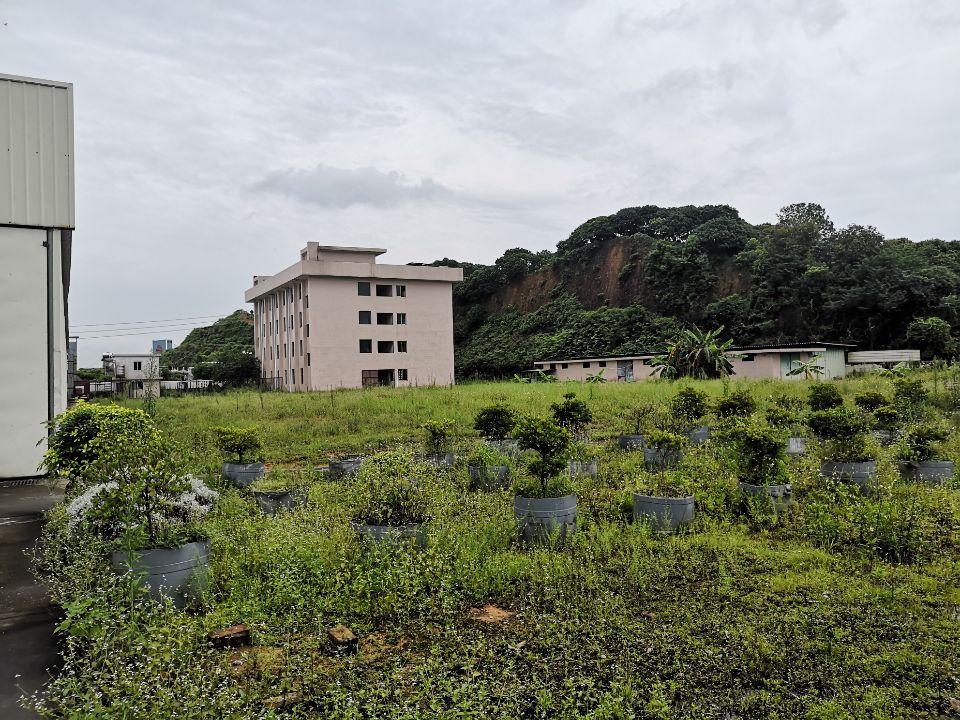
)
(28, 651)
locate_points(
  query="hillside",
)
(624, 282)
(234, 332)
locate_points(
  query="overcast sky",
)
(212, 144)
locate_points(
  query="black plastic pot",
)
(631, 442)
(862, 474)
(665, 514)
(271, 502)
(582, 468)
(779, 496)
(243, 475)
(173, 573)
(541, 519)
(344, 467)
(440, 459)
(489, 477)
(414, 533)
(656, 459)
(929, 472)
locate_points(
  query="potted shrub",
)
(738, 404)
(488, 468)
(280, 489)
(495, 423)
(759, 455)
(664, 500)
(910, 397)
(438, 441)
(823, 396)
(920, 452)
(583, 462)
(344, 466)
(847, 455)
(787, 423)
(688, 407)
(870, 400)
(393, 505)
(664, 449)
(572, 414)
(641, 419)
(886, 424)
(544, 504)
(244, 443)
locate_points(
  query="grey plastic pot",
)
(657, 459)
(862, 474)
(930, 472)
(541, 519)
(631, 442)
(699, 435)
(779, 496)
(243, 475)
(344, 467)
(271, 502)
(489, 477)
(582, 468)
(665, 514)
(173, 573)
(507, 446)
(416, 533)
(440, 460)
(796, 446)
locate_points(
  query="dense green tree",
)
(932, 336)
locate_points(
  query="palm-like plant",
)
(810, 369)
(695, 354)
(597, 379)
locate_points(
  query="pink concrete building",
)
(338, 319)
(754, 361)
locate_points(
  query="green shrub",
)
(823, 396)
(674, 482)
(495, 422)
(438, 432)
(549, 441)
(666, 441)
(738, 404)
(390, 492)
(758, 452)
(238, 441)
(791, 403)
(571, 413)
(280, 479)
(843, 431)
(780, 417)
(922, 442)
(689, 405)
(887, 417)
(910, 397)
(870, 400)
(482, 455)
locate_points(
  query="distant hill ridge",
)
(234, 332)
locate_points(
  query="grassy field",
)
(845, 607)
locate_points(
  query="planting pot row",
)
(541, 519)
(344, 467)
(929, 472)
(415, 533)
(862, 474)
(271, 502)
(489, 477)
(779, 496)
(665, 514)
(696, 436)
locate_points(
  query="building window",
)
(364, 317)
(553, 366)
(300, 291)
(401, 290)
(291, 321)
(138, 365)
(301, 376)
(277, 349)
(602, 363)
(308, 329)
(401, 345)
(586, 365)
(563, 365)
(401, 374)
(401, 318)
(308, 359)
(363, 288)
(366, 346)
(306, 302)
(384, 290)
(748, 358)
(301, 348)
(384, 318)
(284, 349)
(385, 346)
(301, 319)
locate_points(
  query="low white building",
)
(133, 375)
(36, 236)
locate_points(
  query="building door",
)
(624, 370)
(370, 378)
(385, 377)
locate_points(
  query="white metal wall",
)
(36, 140)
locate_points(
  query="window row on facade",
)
(381, 289)
(383, 318)
(383, 346)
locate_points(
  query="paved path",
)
(27, 619)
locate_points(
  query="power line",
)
(144, 322)
(149, 331)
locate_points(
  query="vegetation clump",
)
(738, 404)
(843, 431)
(240, 442)
(572, 413)
(758, 453)
(390, 494)
(824, 396)
(550, 442)
(922, 442)
(689, 406)
(495, 422)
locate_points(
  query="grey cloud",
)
(333, 187)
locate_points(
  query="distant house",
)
(748, 361)
(159, 346)
(133, 375)
(337, 318)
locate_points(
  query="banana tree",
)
(810, 369)
(695, 354)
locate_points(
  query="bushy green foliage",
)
(689, 406)
(232, 334)
(922, 442)
(758, 452)
(571, 413)
(823, 396)
(695, 354)
(887, 417)
(843, 431)
(870, 400)
(738, 404)
(243, 442)
(482, 455)
(549, 441)
(495, 422)
(391, 493)
(437, 435)
(910, 396)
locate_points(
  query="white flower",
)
(81, 505)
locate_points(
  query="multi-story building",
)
(133, 375)
(338, 319)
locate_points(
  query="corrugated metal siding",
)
(883, 356)
(36, 137)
